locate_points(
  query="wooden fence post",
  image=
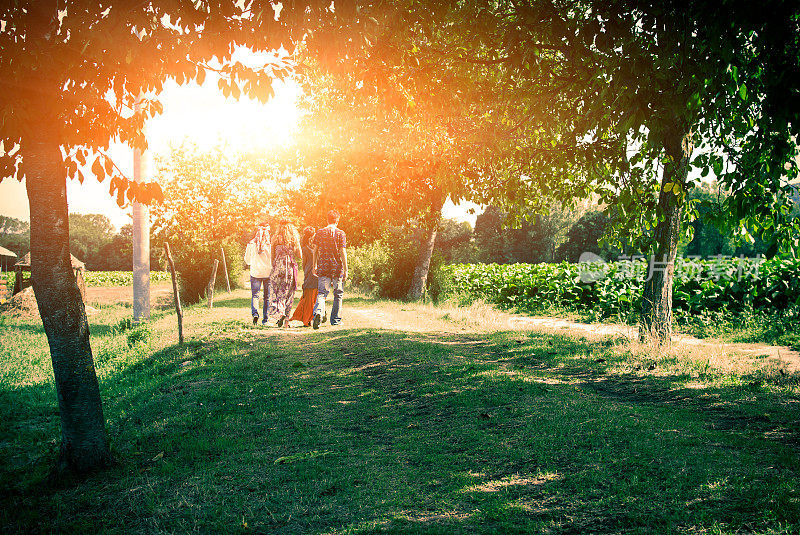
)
(175, 294)
(211, 284)
(225, 267)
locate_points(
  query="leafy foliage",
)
(89, 235)
(15, 235)
(127, 53)
(615, 288)
(454, 243)
(97, 279)
(71, 74)
(211, 200)
(386, 266)
(501, 238)
(585, 236)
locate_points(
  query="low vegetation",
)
(753, 299)
(459, 425)
(120, 278)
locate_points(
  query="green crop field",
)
(120, 278)
(730, 290)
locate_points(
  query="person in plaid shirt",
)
(330, 267)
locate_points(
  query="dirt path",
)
(417, 318)
(783, 357)
(367, 313)
(160, 293)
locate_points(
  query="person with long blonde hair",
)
(283, 280)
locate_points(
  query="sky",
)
(201, 115)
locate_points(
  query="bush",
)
(385, 267)
(194, 265)
(10, 277)
(369, 266)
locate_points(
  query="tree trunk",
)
(84, 445)
(655, 324)
(424, 262)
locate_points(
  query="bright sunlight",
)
(203, 116)
(194, 114)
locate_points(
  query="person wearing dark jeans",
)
(258, 256)
(330, 262)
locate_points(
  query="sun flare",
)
(201, 115)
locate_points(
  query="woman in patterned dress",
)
(283, 280)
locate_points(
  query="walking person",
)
(283, 279)
(330, 263)
(305, 308)
(258, 256)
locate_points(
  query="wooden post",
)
(225, 267)
(175, 294)
(17, 280)
(211, 284)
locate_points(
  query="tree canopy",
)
(619, 99)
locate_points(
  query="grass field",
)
(408, 419)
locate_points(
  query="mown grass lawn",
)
(372, 430)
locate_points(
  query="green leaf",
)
(716, 165)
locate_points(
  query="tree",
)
(117, 254)
(379, 167)
(622, 99)
(12, 225)
(533, 238)
(210, 200)
(491, 241)
(408, 122)
(71, 74)
(15, 235)
(89, 234)
(454, 242)
(585, 236)
(611, 98)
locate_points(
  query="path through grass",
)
(445, 429)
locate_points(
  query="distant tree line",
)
(93, 240)
(563, 235)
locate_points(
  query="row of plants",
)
(615, 288)
(120, 278)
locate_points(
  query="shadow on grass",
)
(381, 431)
(36, 328)
(232, 301)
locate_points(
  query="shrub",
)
(385, 267)
(194, 263)
(369, 266)
(141, 333)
